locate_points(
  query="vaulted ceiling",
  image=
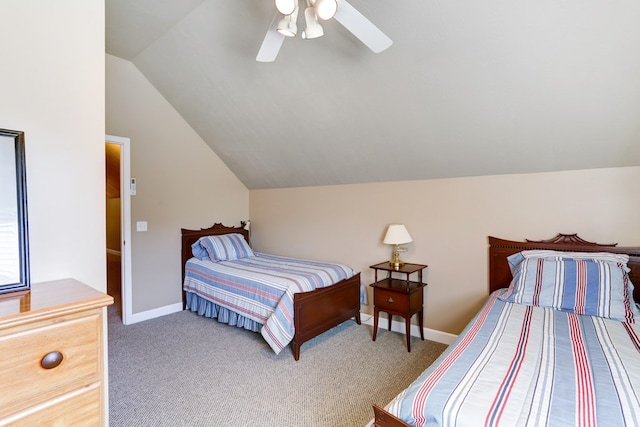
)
(466, 89)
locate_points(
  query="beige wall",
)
(180, 183)
(52, 85)
(449, 221)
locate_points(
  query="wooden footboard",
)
(385, 419)
(318, 311)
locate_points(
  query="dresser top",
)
(50, 298)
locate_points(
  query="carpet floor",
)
(186, 370)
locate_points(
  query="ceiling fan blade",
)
(362, 28)
(271, 43)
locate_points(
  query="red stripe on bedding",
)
(274, 338)
(231, 284)
(627, 298)
(432, 380)
(633, 336)
(504, 391)
(243, 311)
(296, 281)
(585, 404)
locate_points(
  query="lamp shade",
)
(397, 234)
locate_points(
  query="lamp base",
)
(396, 262)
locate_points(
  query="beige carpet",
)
(186, 370)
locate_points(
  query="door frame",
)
(125, 224)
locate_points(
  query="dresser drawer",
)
(80, 408)
(26, 382)
(385, 299)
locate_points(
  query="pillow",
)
(515, 259)
(226, 247)
(594, 284)
(198, 251)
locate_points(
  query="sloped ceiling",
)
(467, 88)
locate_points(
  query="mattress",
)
(257, 291)
(520, 365)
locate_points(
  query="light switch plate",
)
(141, 226)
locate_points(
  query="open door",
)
(114, 224)
(118, 223)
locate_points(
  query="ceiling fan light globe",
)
(326, 9)
(286, 7)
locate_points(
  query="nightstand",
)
(399, 296)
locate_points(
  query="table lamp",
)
(397, 234)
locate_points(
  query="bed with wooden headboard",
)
(500, 249)
(314, 312)
(466, 386)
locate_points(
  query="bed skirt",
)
(209, 309)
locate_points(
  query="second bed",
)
(287, 300)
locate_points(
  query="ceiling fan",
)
(284, 25)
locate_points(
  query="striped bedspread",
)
(516, 365)
(261, 288)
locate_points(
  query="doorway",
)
(118, 223)
(114, 224)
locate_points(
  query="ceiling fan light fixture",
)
(286, 7)
(287, 25)
(340, 10)
(287, 28)
(313, 29)
(325, 9)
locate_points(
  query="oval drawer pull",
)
(390, 300)
(51, 360)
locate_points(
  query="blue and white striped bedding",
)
(519, 365)
(259, 289)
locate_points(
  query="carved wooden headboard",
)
(499, 250)
(189, 237)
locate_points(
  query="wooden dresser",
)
(52, 356)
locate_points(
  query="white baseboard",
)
(367, 319)
(156, 312)
(399, 326)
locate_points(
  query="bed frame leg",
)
(296, 350)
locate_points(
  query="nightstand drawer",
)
(21, 365)
(386, 299)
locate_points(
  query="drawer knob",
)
(390, 300)
(51, 360)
